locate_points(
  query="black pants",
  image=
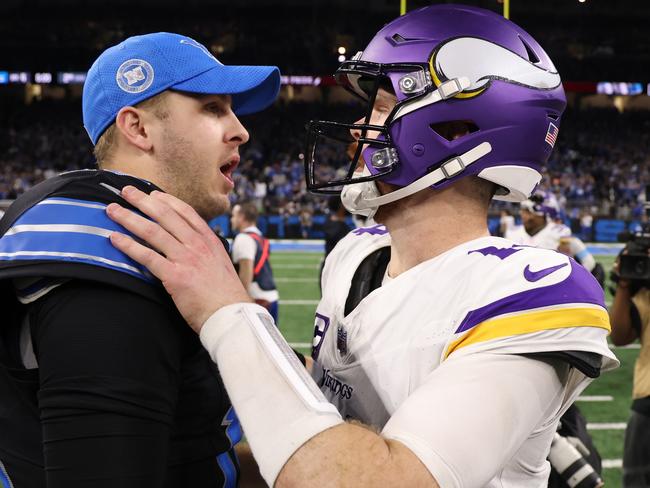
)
(636, 456)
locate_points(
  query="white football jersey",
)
(487, 295)
(548, 238)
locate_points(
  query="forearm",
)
(361, 458)
(620, 317)
(278, 404)
(246, 272)
(268, 391)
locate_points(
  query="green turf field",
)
(297, 279)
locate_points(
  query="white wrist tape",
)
(277, 402)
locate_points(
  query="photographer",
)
(630, 319)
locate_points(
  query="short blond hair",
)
(106, 143)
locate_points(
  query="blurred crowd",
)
(599, 167)
(586, 42)
(601, 164)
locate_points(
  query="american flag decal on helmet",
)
(551, 134)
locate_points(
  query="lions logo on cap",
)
(134, 76)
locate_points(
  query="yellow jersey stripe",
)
(526, 323)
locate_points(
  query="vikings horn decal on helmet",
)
(447, 66)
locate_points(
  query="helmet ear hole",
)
(454, 129)
(532, 57)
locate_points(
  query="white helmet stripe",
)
(482, 60)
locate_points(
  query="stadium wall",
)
(291, 227)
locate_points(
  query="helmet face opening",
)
(336, 157)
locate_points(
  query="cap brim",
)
(253, 88)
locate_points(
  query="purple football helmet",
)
(445, 64)
(543, 204)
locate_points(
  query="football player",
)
(541, 227)
(101, 383)
(452, 353)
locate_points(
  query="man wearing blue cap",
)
(101, 382)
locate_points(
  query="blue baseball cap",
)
(144, 66)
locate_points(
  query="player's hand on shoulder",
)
(185, 255)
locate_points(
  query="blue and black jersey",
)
(102, 383)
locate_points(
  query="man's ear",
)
(132, 124)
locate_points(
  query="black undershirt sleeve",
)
(109, 363)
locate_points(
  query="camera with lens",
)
(634, 263)
(568, 459)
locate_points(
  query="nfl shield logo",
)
(342, 341)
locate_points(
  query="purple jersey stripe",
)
(579, 287)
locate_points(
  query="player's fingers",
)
(188, 213)
(161, 212)
(154, 262)
(150, 232)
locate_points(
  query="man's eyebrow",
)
(210, 98)
(216, 99)
(386, 96)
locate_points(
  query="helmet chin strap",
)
(365, 199)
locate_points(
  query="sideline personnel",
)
(630, 318)
(250, 254)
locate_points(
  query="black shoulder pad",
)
(588, 363)
(367, 277)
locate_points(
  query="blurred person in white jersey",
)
(541, 227)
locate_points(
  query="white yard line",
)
(629, 346)
(295, 266)
(294, 259)
(295, 280)
(612, 463)
(595, 398)
(300, 345)
(298, 302)
(606, 426)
